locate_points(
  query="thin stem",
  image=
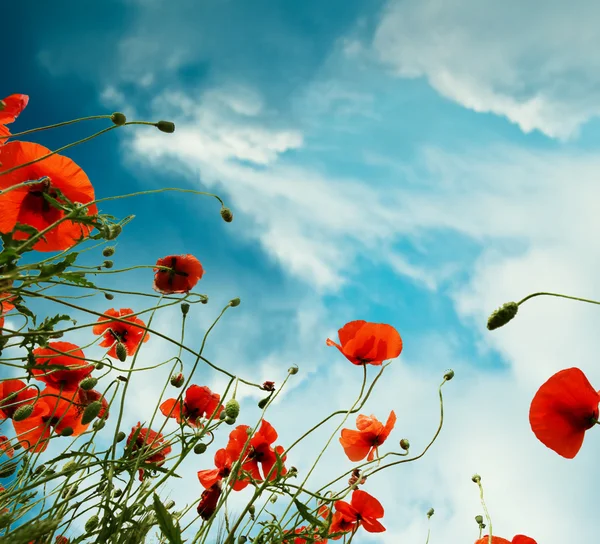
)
(56, 125)
(558, 295)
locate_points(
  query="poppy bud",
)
(449, 375)
(502, 315)
(90, 412)
(273, 499)
(232, 408)
(169, 504)
(17, 446)
(226, 214)
(234, 302)
(200, 448)
(69, 491)
(99, 366)
(108, 264)
(479, 519)
(118, 118)
(230, 420)
(293, 370)
(91, 524)
(117, 493)
(166, 126)
(252, 510)
(121, 436)
(204, 299)
(263, 402)
(108, 296)
(99, 424)
(71, 466)
(22, 412)
(88, 383)
(242, 539)
(476, 478)
(8, 470)
(67, 431)
(185, 308)
(113, 231)
(430, 512)
(222, 415)
(177, 380)
(121, 352)
(405, 444)
(108, 251)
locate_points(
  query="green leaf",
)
(55, 269)
(49, 323)
(305, 513)
(171, 530)
(77, 278)
(25, 311)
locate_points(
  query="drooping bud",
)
(476, 478)
(117, 493)
(118, 118)
(99, 365)
(232, 408)
(108, 251)
(230, 420)
(200, 448)
(449, 375)
(479, 519)
(8, 469)
(405, 444)
(430, 512)
(121, 436)
(242, 539)
(185, 308)
(23, 412)
(67, 431)
(90, 412)
(88, 384)
(166, 126)
(108, 296)
(113, 232)
(204, 299)
(222, 415)
(108, 264)
(502, 315)
(91, 524)
(177, 380)
(234, 302)
(121, 352)
(99, 424)
(293, 370)
(226, 214)
(263, 402)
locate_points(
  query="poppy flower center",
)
(51, 421)
(256, 454)
(119, 335)
(35, 203)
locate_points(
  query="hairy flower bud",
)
(166, 126)
(99, 424)
(88, 384)
(502, 315)
(232, 408)
(90, 412)
(234, 302)
(118, 118)
(108, 264)
(71, 466)
(200, 448)
(185, 308)
(91, 524)
(121, 352)
(23, 412)
(108, 251)
(226, 214)
(405, 444)
(108, 296)
(177, 380)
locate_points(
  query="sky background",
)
(412, 162)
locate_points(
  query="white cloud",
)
(535, 63)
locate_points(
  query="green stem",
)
(558, 295)
(56, 125)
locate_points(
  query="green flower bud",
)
(121, 436)
(200, 448)
(67, 431)
(479, 519)
(230, 420)
(405, 444)
(108, 264)
(252, 509)
(226, 214)
(113, 232)
(99, 424)
(23, 412)
(91, 524)
(71, 466)
(5, 520)
(204, 299)
(117, 493)
(70, 491)
(185, 308)
(108, 296)
(232, 408)
(88, 384)
(222, 415)
(177, 380)
(8, 469)
(121, 352)
(166, 126)
(234, 302)
(242, 539)
(476, 478)
(449, 375)
(108, 251)
(430, 512)
(90, 412)
(118, 118)
(293, 370)
(263, 402)
(99, 366)
(502, 315)
(170, 504)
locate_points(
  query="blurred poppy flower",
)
(297, 536)
(370, 435)
(339, 524)
(199, 402)
(148, 441)
(13, 394)
(65, 365)
(127, 333)
(60, 539)
(185, 272)
(208, 501)
(10, 109)
(517, 539)
(50, 412)
(368, 343)
(28, 206)
(6, 446)
(364, 510)
(562, 410)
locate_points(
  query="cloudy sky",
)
(413, 162)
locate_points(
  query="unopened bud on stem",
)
(502, 315)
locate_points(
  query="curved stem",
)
(557, 295)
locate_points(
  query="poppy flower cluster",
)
(128, 331)
(199, 402)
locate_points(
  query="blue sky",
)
(415, 162)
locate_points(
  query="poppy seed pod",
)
(121, 352)
(405, 444)
(90, 412)
(113, 232)
(234, 302)
(177, 380)
(170, 504)
(108, 251)
(23, 412)
(242, 539)
(118, 118)
(226, 214)
(166, 126)
(200, 448)
(502, 315)
(232, 408)
(88, 384)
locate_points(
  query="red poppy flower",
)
(6, 446)
(208, 501)
(364, 509)
(128, 333)
(61, 355)
(223, 462)
(28, 206)
(368, 343)
(339, 524)
(11, 107)
(199, 402)
(185, 272)
(4, 134)
(6, 304)
(297, 536)
(13, 394)
(371, 434)
(562, 410)
(60, 539)
(517, 539)
(258, 454)
(150, 442)
(50, 412)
